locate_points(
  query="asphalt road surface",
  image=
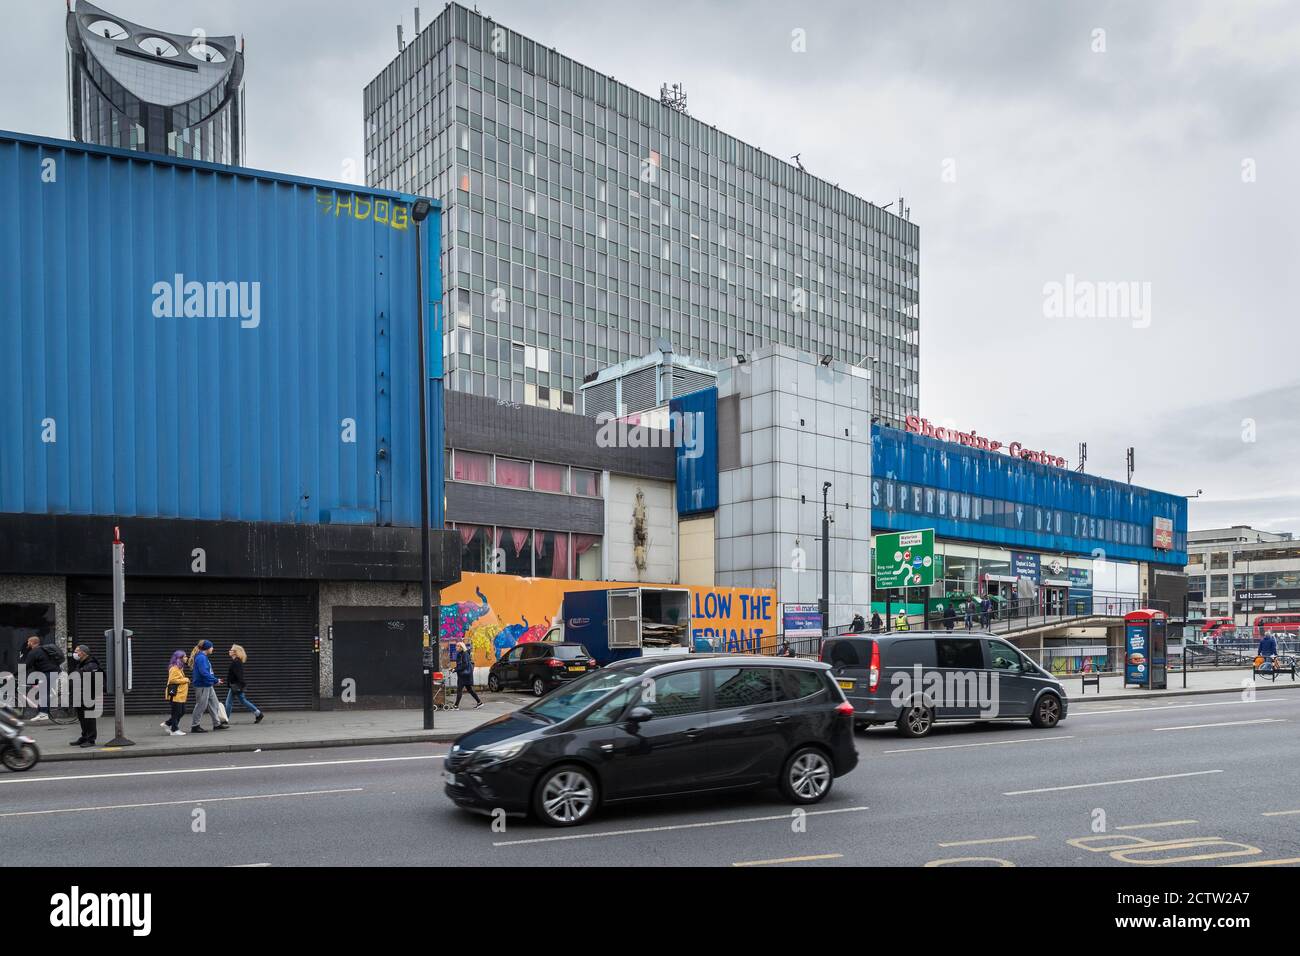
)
(1202, 781)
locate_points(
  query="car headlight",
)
(503, 751)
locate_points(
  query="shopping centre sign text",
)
(922, 426)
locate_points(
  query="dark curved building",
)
(137, 88)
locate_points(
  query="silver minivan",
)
(913, 679)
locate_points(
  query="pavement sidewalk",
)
(280, 730)
(1198, 682)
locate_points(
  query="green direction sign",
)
(905, 559)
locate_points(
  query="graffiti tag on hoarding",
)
(361, 208)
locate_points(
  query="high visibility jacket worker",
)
(901, 623)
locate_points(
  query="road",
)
(1205, 780)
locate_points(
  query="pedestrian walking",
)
(986, 611)
(858, 625)
(465, 674)
(86, 666)
(784, 650)
(236, 682)
(876, 622)
(949, 618)
(42, 667)
(969, 609)
(205, 694)
(177, 694)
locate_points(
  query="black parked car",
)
(540, 667)
(660, 726)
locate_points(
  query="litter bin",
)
(1145, 649)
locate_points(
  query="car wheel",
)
(807, 776)
(565, 796)
(539, 687)
(916, 721)
(494, 683)
(1047, 712)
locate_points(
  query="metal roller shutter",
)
(277, 631)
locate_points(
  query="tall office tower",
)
(586, 221)
(139, 88)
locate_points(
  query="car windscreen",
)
(572, 698)
(570, 652)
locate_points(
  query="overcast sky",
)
(1153, 143)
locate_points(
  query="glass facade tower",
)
(585, 221)
(137, 88)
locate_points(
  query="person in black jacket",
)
(85, 664)
(858, 625)
(41, 668)
(465, 674)
(236, 683)
(876, 622)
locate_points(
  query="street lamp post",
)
(419, 213)
(826, 562)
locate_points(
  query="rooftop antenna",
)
(674, 98)
(798, 162)
(1083, 455)
(401, 43)
(417, 21)
(1131, 468)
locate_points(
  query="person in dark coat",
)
(949, 617)
(858, 625)
(85, 664)
(876, 622)
(236, 684)
(465, 674)
(41, 670)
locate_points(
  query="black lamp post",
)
(826, 563)
(419, 213)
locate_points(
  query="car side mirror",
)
(638, 714)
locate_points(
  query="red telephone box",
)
(1145, 654)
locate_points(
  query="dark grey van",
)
(916, 678)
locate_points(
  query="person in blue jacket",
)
(465, 674)
(205, 683)
(1268, 647)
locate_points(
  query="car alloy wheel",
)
(566, 797)
(494, 683)
(916, 721)
(1048, 712)
(539, 687)
(810, 775)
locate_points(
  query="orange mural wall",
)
(494, 612)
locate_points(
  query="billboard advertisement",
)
(801, 620)
(1136, 654)
(905, 559)
(1162, 534)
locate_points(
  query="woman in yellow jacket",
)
(178, 692)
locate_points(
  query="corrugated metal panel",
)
(695, 420)
(640, 390)
(967, 493)
(600, 399)
(277, 631)
(112, 403)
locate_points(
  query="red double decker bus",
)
(1214, 629)
(1278, 625)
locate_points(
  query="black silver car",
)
(656, 727)
(914, 679)
(540, 666)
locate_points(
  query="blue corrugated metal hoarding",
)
(693, 422)
(196, 341)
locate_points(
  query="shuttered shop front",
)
(277, 630)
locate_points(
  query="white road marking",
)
(1280, 813)
(677, 826)
(13, 781)
(1230, 723)
(1159, 707)
(1110, 783)
(988, 743)
(1151, 826)
(176, 803)
(1014, 839)
(792, 859)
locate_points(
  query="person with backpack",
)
(178, 692)
(237, 683)
(858, 625)
(42, 663)
(205, 689)
(465, 674)
(85, 665)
